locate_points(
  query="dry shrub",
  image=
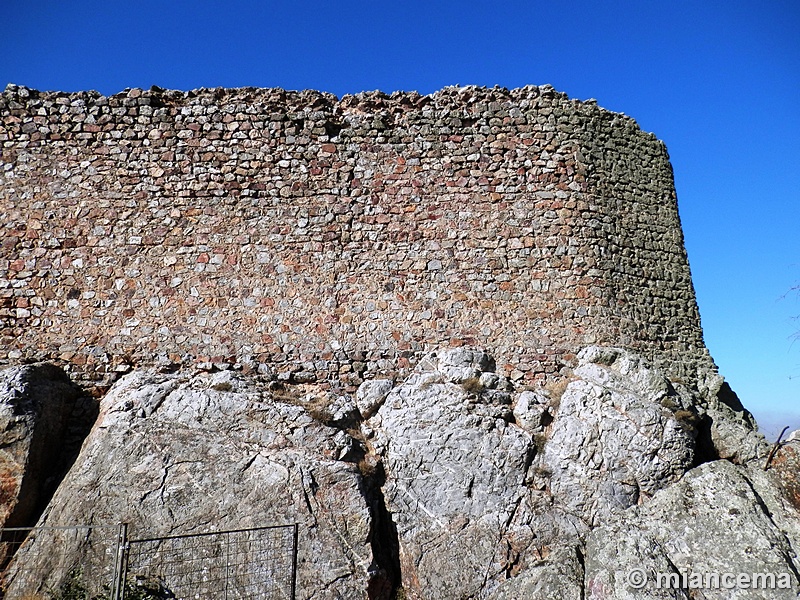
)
(556, 390)
(472, 385)
(786, 465)
(429, 382)
(286, 395)
(669, 404)
(687, 419)
(318, 409)
(539, 440)
(368, 466)
(356, 434)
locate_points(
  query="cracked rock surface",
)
(613, 440)
(37, 409)
(451, 484)
(456, 471)
(187, 454)
(499, 494)
(711, 522)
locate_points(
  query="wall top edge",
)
(450, 97)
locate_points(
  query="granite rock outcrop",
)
(451, 484)
(41, 426)
(176, 453)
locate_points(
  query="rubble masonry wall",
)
(338, 239)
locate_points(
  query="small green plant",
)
(72, 588)
(136, 592)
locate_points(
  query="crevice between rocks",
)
(63, 415)
(49, 463)
(582, 562)
(385, 573)
(384, 576)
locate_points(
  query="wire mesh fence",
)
(242, 564)
(80, 562)
(101, 563)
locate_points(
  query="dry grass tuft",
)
(472, 385)
(539, 440)
(369, 466)
(556, 390)
(687, 419)
(430, 382)
(318, 409)
(669, 404)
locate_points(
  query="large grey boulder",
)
(37, 408)
(711, 522)
(176, 454)
(481, 482)
(493, 493)
(732, 430)
(371, 394)
(455, 468)
(616, 437)
(452, 483)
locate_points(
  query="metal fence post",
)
(121, 564)
(227, 562)
(294, 563)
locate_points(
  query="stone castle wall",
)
(338, 238)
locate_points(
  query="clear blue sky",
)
(718, 81)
